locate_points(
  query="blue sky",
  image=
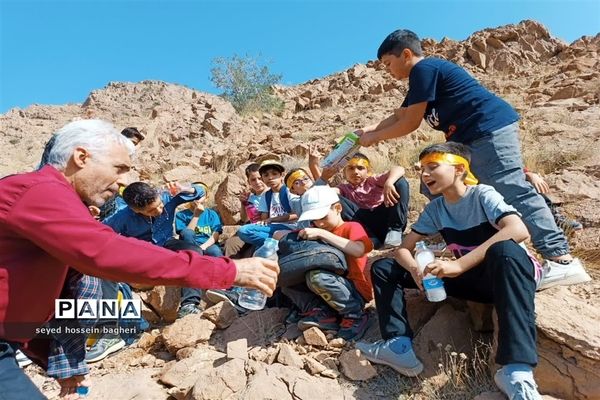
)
(56, 52)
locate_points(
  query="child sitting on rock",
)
(275, 208)
(330, 301)
(381, 200)
(490, 267)
(200, 226)
(250, 200)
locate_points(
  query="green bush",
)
(247, 83)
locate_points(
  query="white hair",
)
(94, 135)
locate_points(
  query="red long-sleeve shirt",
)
(45, 227)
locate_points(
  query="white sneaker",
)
(554, 274)
(393, 239)
(22, 359)
(518, 385)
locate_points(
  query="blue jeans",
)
(496, 161)
(188, 295)
(14, 384)
(256, 234)
(189, 236)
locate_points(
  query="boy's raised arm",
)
(405, 122)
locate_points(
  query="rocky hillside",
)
(555, 86)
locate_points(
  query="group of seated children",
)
(368, 211)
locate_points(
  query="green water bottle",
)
(342, 152)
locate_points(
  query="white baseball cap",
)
(317, 201)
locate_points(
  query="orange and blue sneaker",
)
(323, 319)
(354, 326)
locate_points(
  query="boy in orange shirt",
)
(328, 296)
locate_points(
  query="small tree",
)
(247, 83)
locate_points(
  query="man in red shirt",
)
(46, 228)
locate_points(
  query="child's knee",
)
(245, 231)
(502, 248)
(509, 249)
(214, 251)
(382, 268)
(186, 234)
(401, 185)
(316, 280)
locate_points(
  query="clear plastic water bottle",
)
(254, 299)
(342, 152)
(434, 286)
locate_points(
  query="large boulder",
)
(568, 345)
(164, 300)
(186, 332)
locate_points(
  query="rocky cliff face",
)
(192, 135)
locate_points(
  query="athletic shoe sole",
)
(108, 351)
(410, 372)
(302, 325)
(573, 279)
(216, 297)
(23, 360)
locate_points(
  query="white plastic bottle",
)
(434, 286)
(342, 152)
(254, 299)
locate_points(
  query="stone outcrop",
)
(568, 345)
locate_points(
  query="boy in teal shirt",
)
(200, 226)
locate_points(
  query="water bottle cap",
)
(421, 245)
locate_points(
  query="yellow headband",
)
(451, 159)
(295, 176)
(359, 161)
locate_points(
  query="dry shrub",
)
(466, 376)
(545, 160)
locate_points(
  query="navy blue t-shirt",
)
(457, 104)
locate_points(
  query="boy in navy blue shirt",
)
(150, 216)
(452, 101)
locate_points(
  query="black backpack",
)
(298, 256)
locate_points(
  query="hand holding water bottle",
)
(444, 268)
(433, 285)
(257, 273)
(253, 299)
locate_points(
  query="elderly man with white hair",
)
(46, 228)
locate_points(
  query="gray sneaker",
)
(187, 309)
(229, 295)
(393, 239)
(518, 385)
(403, 359)
(555, 273)
(103, 348)
(22, 359)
